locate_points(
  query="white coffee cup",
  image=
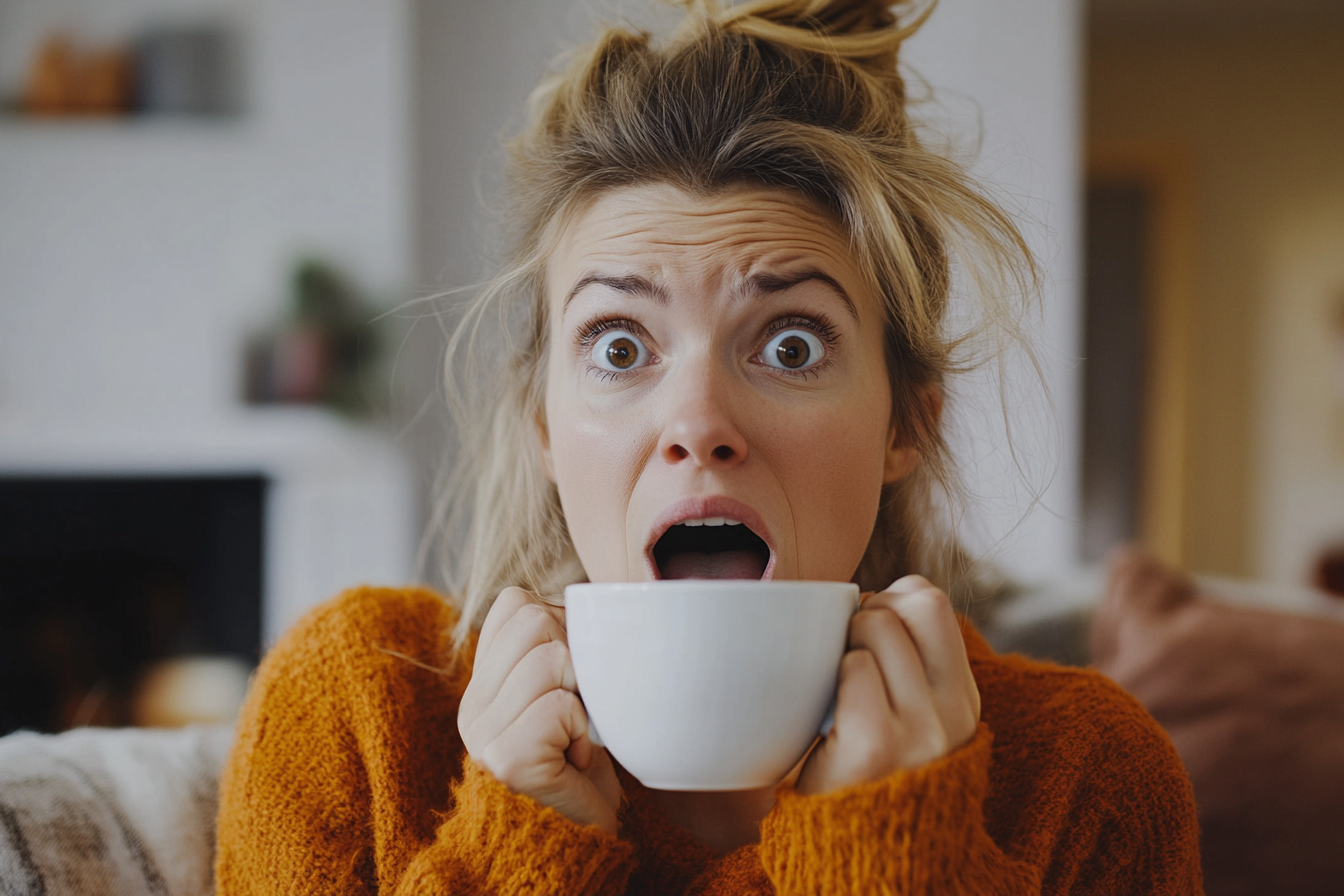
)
(700, 684)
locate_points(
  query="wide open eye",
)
(619, 351)
(793, 350)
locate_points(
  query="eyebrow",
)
(764, 284)
(630, 284)
(753, 287)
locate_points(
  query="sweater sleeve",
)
(1110, 810)
(348, 776)
(498, 842)
(917, 831)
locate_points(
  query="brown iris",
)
(622, 352)
(793, 352)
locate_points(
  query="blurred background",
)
(219, 375)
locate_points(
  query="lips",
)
(710, 538)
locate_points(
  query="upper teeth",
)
(711, 521)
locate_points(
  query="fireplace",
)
(102, 578)
(182, 552)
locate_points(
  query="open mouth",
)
(710, 548)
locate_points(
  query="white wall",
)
(1008, 78)
(135, 256)
(1013, 68)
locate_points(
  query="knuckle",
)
(510, 599)
(549, 658)
(929, 610)
(879, 620)
(935, 599)
(558, 702)
(535, 620)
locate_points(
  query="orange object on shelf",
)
(64, 80)
(47, 91)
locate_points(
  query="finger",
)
(861, 694)
(529, 626)
(861, 713)
(544, 668)
(529, 755)
(907, 584)
(580, 754)
(501, 611)
(882, 633)
(936, 633)
(933, 626)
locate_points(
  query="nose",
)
(699, 425)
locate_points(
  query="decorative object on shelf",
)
(321, 352)
(68, 80)
(187, 69)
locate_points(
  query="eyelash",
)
(818, 325)
(590, 332)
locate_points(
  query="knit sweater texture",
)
(349, 777)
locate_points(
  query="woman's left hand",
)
(906, 695)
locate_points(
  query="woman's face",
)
(717, 403)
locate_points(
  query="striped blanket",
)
(121, 812)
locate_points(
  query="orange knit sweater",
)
(348, 776)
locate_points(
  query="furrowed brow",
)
(631, 285)
(764, 284)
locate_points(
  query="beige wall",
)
(1261, 120)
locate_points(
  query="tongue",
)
(718, 565)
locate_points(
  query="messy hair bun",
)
(802, 95)
(863, 31)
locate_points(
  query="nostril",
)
(679, 452)
(723, 452)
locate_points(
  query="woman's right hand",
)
(521, 718)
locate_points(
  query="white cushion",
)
(104, 810)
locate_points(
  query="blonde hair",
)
(802, 95)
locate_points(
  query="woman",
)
(731, 286)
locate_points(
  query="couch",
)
(1248, 680)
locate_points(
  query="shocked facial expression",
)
(717, 401)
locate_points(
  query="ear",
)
(902, 459)
(544, 442)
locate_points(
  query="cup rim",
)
(750, 586)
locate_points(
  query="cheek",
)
(837, 461)
(595, 461)
(832, 465)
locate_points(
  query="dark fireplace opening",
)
(100, 578)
